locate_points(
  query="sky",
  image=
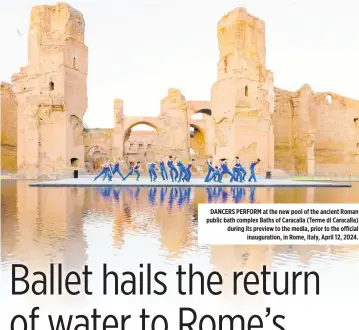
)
(140, 48)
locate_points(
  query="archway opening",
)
(197, 143)
(329, 99)
(201, 114)
(74, 162)
(96, 157)
(51, 86)
(140, 143)
(201, 122)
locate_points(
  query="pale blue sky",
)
(140, 48)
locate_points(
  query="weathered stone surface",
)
(8, 110)
(241, 98)
(52, 93)
(299, 132)
(313, 135)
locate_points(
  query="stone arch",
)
(140, 145)
(196, 114)
(96, 155)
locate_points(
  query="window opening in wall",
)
(74, 162)
(74, 63)
(329, 99)
(246, 91)
(51, 86)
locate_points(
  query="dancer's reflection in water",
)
(237, 194)
(187, 194)
(116, 194)
(224, 196)
(252, 195)
(209, 195)
(152, 196)
(137, 193)
(171, 198)
(163, 194)
(181, 198)
(130, 192)
(217, 192)
(105, 192)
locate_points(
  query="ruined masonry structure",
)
(8, 109)
(242, 98)
(299, 132)
(51, 92)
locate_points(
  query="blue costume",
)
(133, 170)
(152, 172)
(253, 175)
(163, 171)
(238, 170)
(189, 173)
(136, 170)
(183, 171)
(106, 170)
(173, 169)
(116, 169)
(216, 176)
(225, 170)
(211, 169)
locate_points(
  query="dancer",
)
(225, 169)
(163, 170)
(182, 172)
(242, 170)
(211, 169)
(188, 171)
(238, 170)
(216, 175)
(172, 168)
(116, 168)
(152, 171)
(251, 168)
(134, 169)
(106, 170)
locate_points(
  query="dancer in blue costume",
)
(252, 169)
(188, 171)
(116, 168)
(211, 169)
(216, 175)
(134, 170)
(239, 169)
(182, 170)
(152, 171)
(163, 170)
(236, 170)
(172, 169)
(106, 170)
(225, 169)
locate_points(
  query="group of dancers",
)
(179, 172)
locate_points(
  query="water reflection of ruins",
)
(42, 225)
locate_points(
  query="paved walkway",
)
(87, 181)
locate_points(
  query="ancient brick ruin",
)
(300, 132)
